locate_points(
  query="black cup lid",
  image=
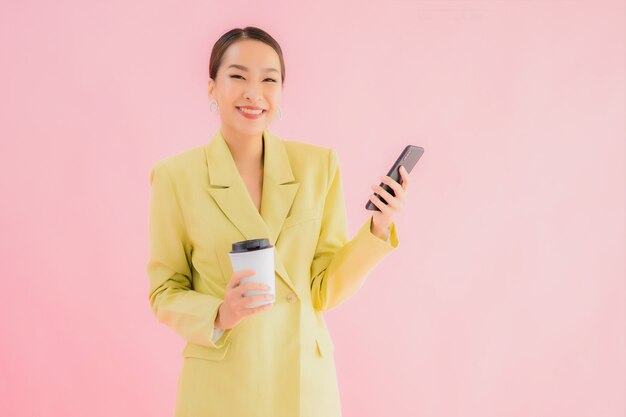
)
(250, 245)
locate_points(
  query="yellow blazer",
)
(277, 363)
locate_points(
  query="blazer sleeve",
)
(174, 302)
(340, 266)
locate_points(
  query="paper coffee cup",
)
(258, 255)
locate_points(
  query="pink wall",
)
(506, 296)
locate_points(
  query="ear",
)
(211, 87)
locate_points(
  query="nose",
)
(252, 97)
(252, 94)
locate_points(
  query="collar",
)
(227, 188)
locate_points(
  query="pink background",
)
(506, 296)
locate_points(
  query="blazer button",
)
(291, 298)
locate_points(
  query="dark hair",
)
(234, 35)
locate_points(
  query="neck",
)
(247, 151)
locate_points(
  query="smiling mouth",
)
(251, 112)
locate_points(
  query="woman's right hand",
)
(235, 306)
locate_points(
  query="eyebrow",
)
(241, 67)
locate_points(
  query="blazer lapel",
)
(227, 188)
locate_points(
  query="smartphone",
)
(408, 158)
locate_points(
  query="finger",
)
(378, 203)
(250, 311)
(249, 286)
(258, 299)
(394, 185)
(255, 286)
(405, 177)
(235, 279)
(391, 200)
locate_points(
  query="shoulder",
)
(181, 160)
(180, 163)
(307, 153)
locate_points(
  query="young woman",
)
(246, 183)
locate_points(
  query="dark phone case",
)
(408, 158)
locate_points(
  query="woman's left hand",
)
(383, 218)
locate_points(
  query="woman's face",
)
(249, 75)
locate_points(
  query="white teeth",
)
(250, 111)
